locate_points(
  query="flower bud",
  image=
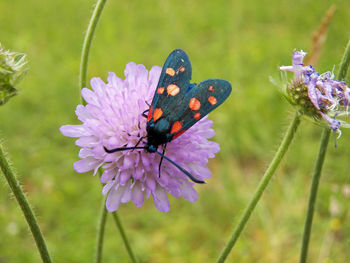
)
(13, 65)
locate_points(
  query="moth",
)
(177, 105)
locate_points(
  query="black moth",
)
(177, 105)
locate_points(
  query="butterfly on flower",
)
(177, 105)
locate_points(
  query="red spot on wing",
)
(149, 117)
(170, 71)
(182, 69)
(197, 116)
(157, 114)
(172, 89)
(194, 104)
(176, 127)
(179, 133)
(211, 88)
(160, 90)
(212, 100)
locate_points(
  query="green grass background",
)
(241, 41)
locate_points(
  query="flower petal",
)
(98, 86)
(127, 193)
(82, 113)
(87, 141)
(114, 198)
(188, 192)
(138, 196)
(114, 81)
(89, 96)
(74, 130)
(107, 187)
(160, 199)
(108, 175)
(85, 165)
(84, 153)
(154, 75)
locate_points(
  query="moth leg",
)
(138, 142)
(161, 160)
(144, 113)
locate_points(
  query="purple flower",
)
(317, 95)
(113, 118)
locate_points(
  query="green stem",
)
(261, 187)
(124, 237)
(87, 43)
(313, 193)
(101, 232)
(344, 65)
(26, 209)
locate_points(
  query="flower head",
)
(13, 65)
(317, 95)
(113, 118)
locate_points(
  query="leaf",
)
(6, 92)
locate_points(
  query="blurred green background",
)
(240, 41)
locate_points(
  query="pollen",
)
(182, 69)
(157, 114)
(197, 116)
(172, 89)
(211, 88)
(170, 71)
(176, 127)
(212, 100)
(194, 104)
(160, 90)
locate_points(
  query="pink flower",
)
(113, 118)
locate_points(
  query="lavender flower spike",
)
(316, 95)
(113, 118)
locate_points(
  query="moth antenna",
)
(182, 169)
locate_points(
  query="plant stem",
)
(261, 187)
(87, 43)
(313, 193)
(26, 209)
(101, 232)
(344, 65)
(124, 237)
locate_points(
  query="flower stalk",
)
(26, 209)
(344, 65)
(313, 193)
(261, 188)
(87, 43)
(124, 237)
(101, 232)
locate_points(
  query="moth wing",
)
(173, 84)
(197, 103)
